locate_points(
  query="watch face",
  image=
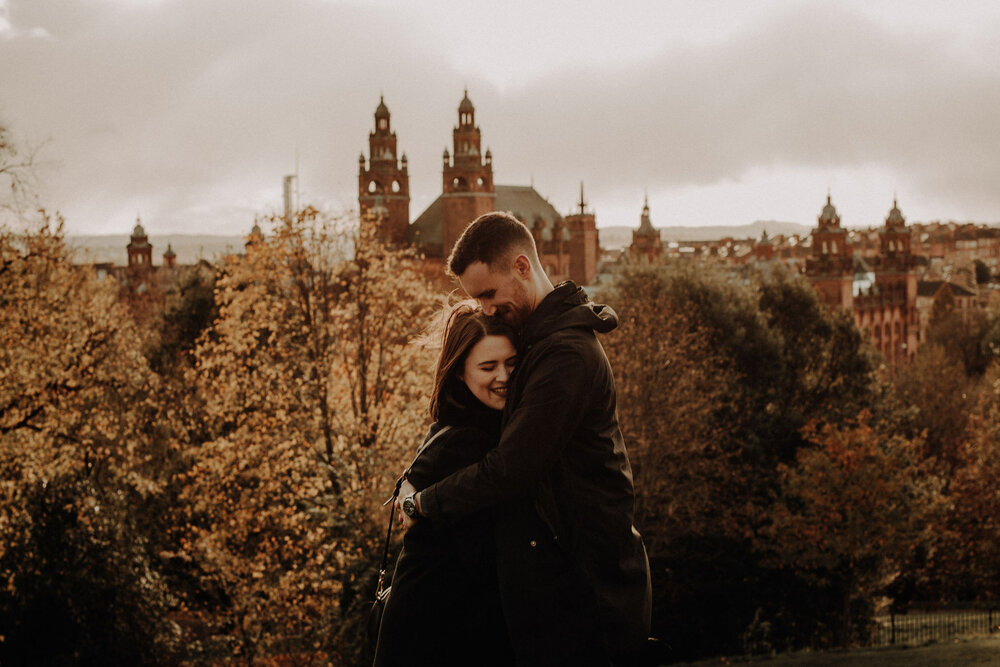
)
(409, 507)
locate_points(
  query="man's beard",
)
(514, 315)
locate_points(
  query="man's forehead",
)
(477, 278)
(476, 271)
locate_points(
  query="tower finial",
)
(583, 204)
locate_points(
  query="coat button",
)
(533, 544)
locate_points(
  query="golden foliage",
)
(314, 398)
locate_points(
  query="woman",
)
(444, 608)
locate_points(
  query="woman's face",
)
(487, 369)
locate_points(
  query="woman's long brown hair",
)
(465, 325)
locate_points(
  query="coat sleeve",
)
(548, 413)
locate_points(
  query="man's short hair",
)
(493, 239)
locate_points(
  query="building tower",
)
(764, 250)
(896, 285)
(468, 190)
(170, 257)
(894, 238)
(583, 243)
(140, 252)
(646, 241)
(830, 267)
(385, 179)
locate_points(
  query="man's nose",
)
(488, 308)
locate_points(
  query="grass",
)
(954, 652)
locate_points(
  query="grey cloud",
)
(807, 89)
(190, 109)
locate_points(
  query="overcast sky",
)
(726, 112)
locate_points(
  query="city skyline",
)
(192, 112)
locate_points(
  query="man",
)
(572, 569)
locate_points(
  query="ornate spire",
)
(645, 224)
(895, 219)
(381, 111)
(829, 217)
(466, 103)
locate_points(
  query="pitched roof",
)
(930, 288)
(523, 201)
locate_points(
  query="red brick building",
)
(886, 309)
(384, 184)
(646, 241)
(568, 247)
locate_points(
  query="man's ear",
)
(522, 267)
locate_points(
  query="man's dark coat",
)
(573, 573)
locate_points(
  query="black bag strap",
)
(380, 591)
(388, 537)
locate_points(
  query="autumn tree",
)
(674, 394)
(76, 410)
(177, 328)
(970, 544)
(982, 272)
(671, 390)
(973, 338)
(935, 386)
(314, 399)
(17, 179)
(852, 509)
(717, 376)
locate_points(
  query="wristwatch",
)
(410, 506)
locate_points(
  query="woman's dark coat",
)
(444, 607)
(574, 578)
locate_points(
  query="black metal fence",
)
(919, 626)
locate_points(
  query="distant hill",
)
(192, 247)
(189, 247)
(613, 238)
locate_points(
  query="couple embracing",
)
(520, 547)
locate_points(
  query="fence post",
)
(892, 625)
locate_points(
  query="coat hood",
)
(565, 307)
